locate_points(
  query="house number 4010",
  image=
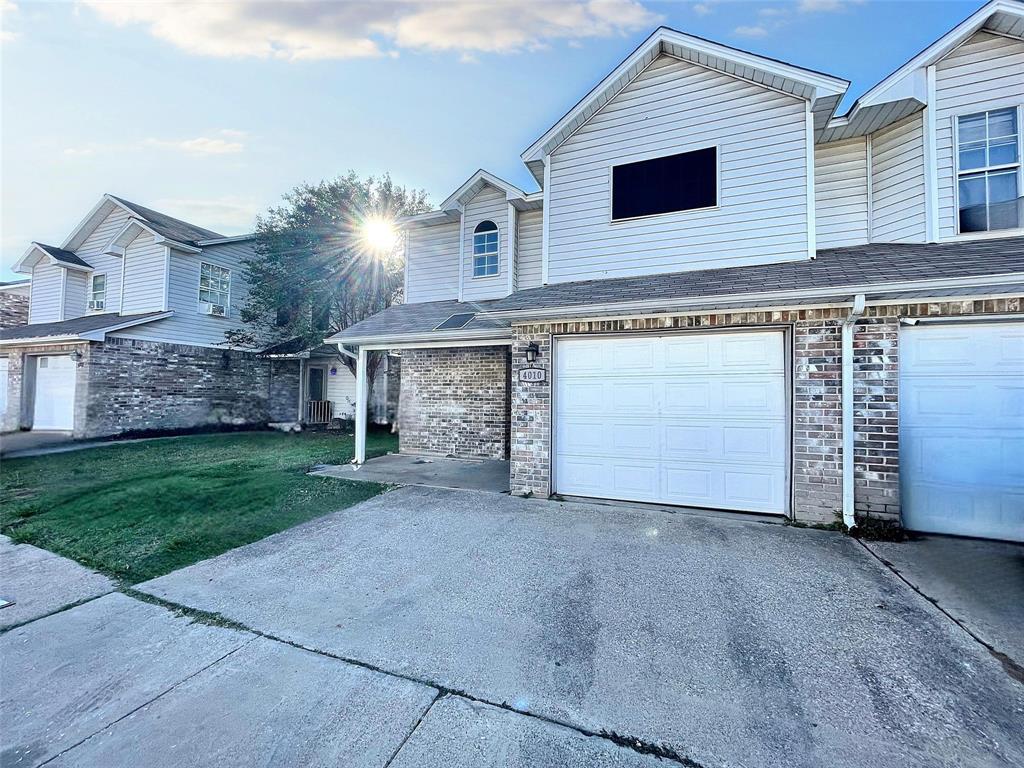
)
(533, 374)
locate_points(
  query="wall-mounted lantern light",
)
(532, 352)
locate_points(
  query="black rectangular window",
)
(680, 182)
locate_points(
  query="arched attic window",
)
(485, 249)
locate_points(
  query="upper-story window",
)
(214, 289)
(683, 182)
(485, 249)
(988, 171)
(97, 293)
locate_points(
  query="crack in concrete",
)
(633, 743)
(1010, 666)
(55, 611)
(440, 695)
(145, 704)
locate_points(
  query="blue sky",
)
(212, 111)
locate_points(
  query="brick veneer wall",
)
(143, 385)
(13, 309)
(454, 402)
(816, 404)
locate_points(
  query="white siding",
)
(44, 304)
(75, 288)
(674, 107)
(144, 277)
(529, 269)
(92, 251)
(897, 178)
(188, 326)
(433, 269)
(985, 73)
(491, 204)
(841, 193)
(341, 390)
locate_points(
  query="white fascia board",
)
(26, 342)
(511, 191)
(99, 211)
(934, 52)
(225, 240)
(378, 347)
(430, 218)
(823, 85)
(433, 338)
(668, 304)
(22, 266)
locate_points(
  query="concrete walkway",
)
(429, 471)
(37, 582)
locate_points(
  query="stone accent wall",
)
(816, 398)
(141, 385)
(454, 402)
(13, 309)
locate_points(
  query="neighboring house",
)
(727, 296)
(14, 303)
(125, 333)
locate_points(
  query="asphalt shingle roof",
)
(65, 256)
(168, 226)
(421, 317)
(75, 326)
(872, 264)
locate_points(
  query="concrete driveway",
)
(434, 627)
(727, 642)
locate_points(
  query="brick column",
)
(876, 417)
(531, 416)
(817, 418)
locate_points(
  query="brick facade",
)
(125, 385)
(13, 309)
(816, 398)
(454, 402)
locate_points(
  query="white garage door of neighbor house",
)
(962, 429)
(693, 419)
(55, 393)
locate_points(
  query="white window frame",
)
(92, 293)
(957, 172)
(655, 156)
(203, 302)
(496, 253)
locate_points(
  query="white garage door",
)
(55, 393)
(962, 429)
(691, 419)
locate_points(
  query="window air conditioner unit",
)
(95, 304)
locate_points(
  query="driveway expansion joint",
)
(145, 704)
(632, 743)
(1012, 668)
(440, 695)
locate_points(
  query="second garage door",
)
(690, 419)
(55, 393)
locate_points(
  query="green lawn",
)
(139, 510)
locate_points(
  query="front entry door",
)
(316, 385)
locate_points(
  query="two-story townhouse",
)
(725, 295)
(125, 332)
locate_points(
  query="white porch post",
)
(360, 414)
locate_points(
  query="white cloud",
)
(703, 9)
(307, 29)
(222, 214)
(6, 9)
(825, 6)
(752, 31)
(201, 145)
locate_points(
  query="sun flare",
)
(379, 234)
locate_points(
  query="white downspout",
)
(360, 414)
(856, 312)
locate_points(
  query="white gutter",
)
(856, 312)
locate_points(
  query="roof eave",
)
(441, 337)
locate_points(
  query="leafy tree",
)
(315, 272)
